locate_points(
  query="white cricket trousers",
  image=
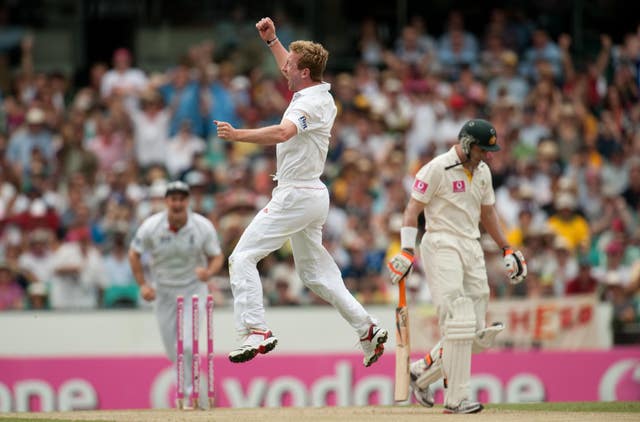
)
(455, 267)
(297, 211)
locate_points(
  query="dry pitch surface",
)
(330, 414)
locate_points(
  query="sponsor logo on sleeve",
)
(458, 186)
(420, 186)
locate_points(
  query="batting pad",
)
(431, 374)
(483, 340)
(460, 330)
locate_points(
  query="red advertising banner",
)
(568, 323)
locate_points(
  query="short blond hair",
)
(312, 56)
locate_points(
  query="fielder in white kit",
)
(299, 205)
(185, 253)
(455, 192)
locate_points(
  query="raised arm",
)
(267, 30)
(564, 42)
(602, 61)
(269, 135)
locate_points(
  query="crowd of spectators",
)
(81, 166)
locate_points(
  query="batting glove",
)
(515, 264)
(400, 265)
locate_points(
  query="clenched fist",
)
(225, 130)
(266, 28)
(147, 292)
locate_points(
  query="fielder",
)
(185, 253)
(455, 193)
(298, 207)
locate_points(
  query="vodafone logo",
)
(459, 186)
(420, 186)
(620, 381)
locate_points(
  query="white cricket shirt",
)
(175, 255)
(302, 157)
(452, 199)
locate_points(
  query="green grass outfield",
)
(28, 418)
(624, 406)
(529, 412)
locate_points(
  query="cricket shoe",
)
(465, 406)
(373, 344)
(256, 342)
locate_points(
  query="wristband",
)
(272, 42)
(408, 237)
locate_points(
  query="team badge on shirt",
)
(303, 121)
(458, 186)
(420, 186)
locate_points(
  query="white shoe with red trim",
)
(256, 342)
(373, 344)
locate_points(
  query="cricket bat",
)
(403, 349)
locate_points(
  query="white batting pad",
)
(483, 340)
(427, 376)
(459, 332)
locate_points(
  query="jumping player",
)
(455, 193)
(185, 253)
(298, 207)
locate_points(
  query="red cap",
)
(457, 102)
(615, 246)
(617, 225)
(77, 234)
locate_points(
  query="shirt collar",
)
(165, 219)
(315, 89)
(453, 159)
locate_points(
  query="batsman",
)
(455, 192)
